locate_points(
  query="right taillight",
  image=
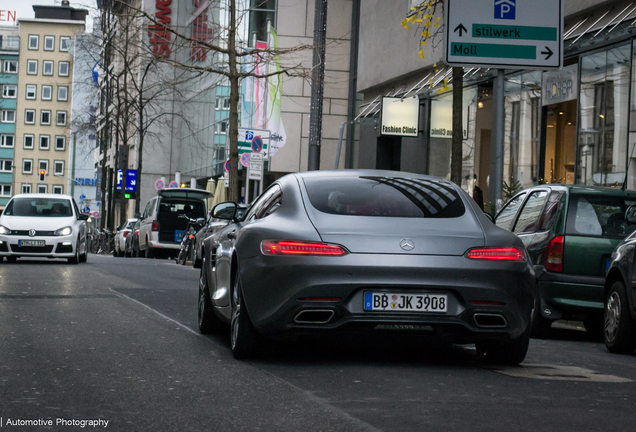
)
(155, 226)
(554, 255)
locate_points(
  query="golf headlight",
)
(64, 231)
(4, 230)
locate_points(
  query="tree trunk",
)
(233, 192)
(140, 155)
(458, 130)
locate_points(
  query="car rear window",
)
(39, 207)
(192, 208)
(385, 197)
(599, 216)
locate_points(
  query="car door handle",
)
(231, 235)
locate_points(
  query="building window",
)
(58, 190)
(44, 165)
(49, 43)
(8, 116)
(26, 188)
(42, 189)
(226, 103)
(47, 92)
(6, 165)
(62, 93)
(61, 118)
(63, 68)
(60, 143)
(218, 103)
(11, 66)
(29, 116)
(64, 43)
(7, 141)
(45, 117)
(32, 67)
(44, 142)
(47, 67)
(31, 91)
(28, 141)
(5, 190)
(34, 42)
(9, 91)
(27, 166)
(58, 168)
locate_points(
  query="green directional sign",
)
(504, 33)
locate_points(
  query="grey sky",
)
(24, 8)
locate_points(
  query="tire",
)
(11, 259)
(208, 321)
(1, 259)
(149, 252)
(243, 337)
(196, 261)
(140, 253)
(115, 251)
(75, 259)
(540, 327)
(511, 353)
(84, 257)
(594, 326)
(619, 330)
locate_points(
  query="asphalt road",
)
(116, 340)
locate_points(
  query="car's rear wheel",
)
(243, 336)
(619, 328)
(540, 326)
(510, 353)
(150, 253)
(208, 321)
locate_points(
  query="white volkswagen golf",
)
(43, 225)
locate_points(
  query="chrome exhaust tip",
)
(314, 316)
(486, 320)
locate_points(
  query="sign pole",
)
(497, 142)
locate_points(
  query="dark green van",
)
(570, 233)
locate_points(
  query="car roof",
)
(589, 190)
(185, 193)
(40, 195)
(368, 172)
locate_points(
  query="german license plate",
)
(405, 302)
(32, 243)
(178, 235)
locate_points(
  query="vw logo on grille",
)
(32, 233)
(407, 244)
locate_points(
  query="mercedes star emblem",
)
(407, 244)
(32, 233)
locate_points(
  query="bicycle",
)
(186, 248)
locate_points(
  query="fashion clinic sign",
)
(400, 117)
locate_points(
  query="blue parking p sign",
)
(505, 9)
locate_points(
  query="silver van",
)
(162, 226)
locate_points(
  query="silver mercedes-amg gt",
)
(366, 250)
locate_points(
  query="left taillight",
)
(497, 254)
(155, 226)
(126, 233)
(272, 247)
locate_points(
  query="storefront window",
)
(522, 121)
(602, 147)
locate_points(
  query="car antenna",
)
(627, 168)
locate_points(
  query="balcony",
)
(9, 43)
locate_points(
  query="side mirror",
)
(225, 210)
(630, 214)
(490, 217)
(83, 217)
(201, 221)
(137, 215)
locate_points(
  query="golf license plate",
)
(178, 235)
(32, 243)
(405, 302)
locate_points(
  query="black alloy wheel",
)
(510, 353)
(208, 321)
(619, 330)
(243, 336)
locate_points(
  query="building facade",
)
(45, 76)
(565, 126)
(9, 54)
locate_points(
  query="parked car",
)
(161, 227)
(570, 233)
(132, 241)
(620, 303)
(213, 225)
(119, 242)
(43, 225)
(329, 251)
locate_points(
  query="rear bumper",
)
(566, 296)
(160, 245)
(274, 289)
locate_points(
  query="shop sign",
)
(442, 119)
(159, 35)
(200, 30)
(561, 85)
(7, 15)
(400, 117)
